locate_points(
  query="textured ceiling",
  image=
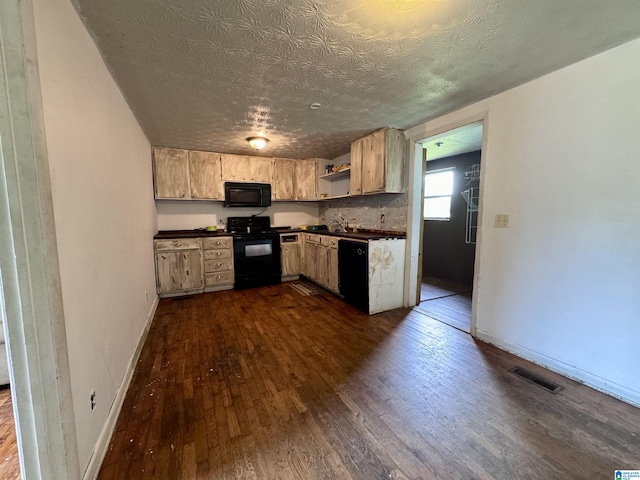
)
(206, 74)
(454, 142)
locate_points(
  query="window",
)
(438, 188)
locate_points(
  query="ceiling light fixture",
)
(315, 106)
(257, 142)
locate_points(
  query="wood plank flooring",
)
(446, 301)
(9, 461)
(432, 288)
(269, 384)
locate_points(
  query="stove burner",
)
(249, 225)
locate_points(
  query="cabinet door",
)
(284, 171)
(260, 169)
(394, 162)
(373, 162)
(235, 168)
(166, 268)
(310, 261)
(206, 175)
(306, 179)
(322, 262)
(171, 173)
(355, 187)
(179, 270)
(333, 277)
(290, 259)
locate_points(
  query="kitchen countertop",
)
(360, 235)
(168, 234)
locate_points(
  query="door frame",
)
(31, 294)
(415, 223)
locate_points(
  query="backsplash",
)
(378, 212)
(187, 215)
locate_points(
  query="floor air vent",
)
(537, 379)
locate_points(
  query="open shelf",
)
(334, 197)
(342, 173)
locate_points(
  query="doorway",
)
(450, 224)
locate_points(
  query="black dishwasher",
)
(353, 267)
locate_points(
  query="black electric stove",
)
(249, 226)
(256, 251)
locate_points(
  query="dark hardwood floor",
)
(9, 461)
(446, 301)
(270, 384)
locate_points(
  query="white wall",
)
(560, 285)
(187, 215)
(104, 212)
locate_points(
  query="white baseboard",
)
(598, 383)
(100, 449)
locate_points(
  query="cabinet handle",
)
(219, 264)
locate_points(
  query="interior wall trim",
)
(102, 444)
(598, 383)
(30, 274)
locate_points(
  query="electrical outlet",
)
(146, 297)
(92, 399)
(502, 220)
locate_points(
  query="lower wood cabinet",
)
(291, 256)
(321, 260)
(185, 266)
(179, 268)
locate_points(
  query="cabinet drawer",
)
(178, 244)
(331, 242)
(217, 254)
(218, 265)
(218, 278)
(217, 243)
(312, 238)
(293, 238)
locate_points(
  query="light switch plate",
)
(502, 220)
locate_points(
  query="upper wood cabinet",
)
(243, 168)
(235, 168)
(306, 183)
(261, 169)
(284, 173)
(171, 173)
(380, 157)
(356, 168)
(206, 176)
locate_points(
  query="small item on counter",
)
(211, 228)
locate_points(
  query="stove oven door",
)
(256, 260)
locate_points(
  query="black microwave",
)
(238, 194)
